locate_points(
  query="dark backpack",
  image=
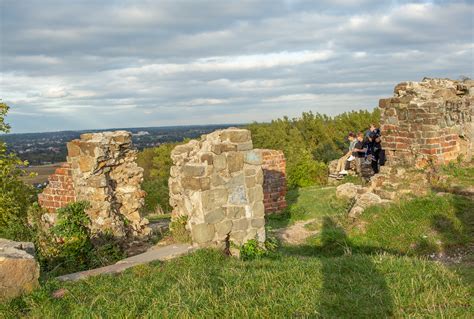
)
(382, 158)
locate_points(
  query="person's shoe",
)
(351, 158)
(343, 172)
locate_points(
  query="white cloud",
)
(141, 63)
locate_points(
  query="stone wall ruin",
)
(101, 170)
(431, 120)
(217, 183)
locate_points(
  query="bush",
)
(69, 246)
(306, 172)
(15, 196)
(253, 249)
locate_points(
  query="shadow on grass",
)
(281, 220)
(352, 284)
(458, 239)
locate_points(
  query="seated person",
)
(360, 148)
(341, 163)
(359, 151)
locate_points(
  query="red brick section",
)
(60, 190)
(274, 183)
(417, 129)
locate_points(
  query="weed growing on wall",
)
(178, 230)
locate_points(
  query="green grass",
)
(462, 175)
(209, 285)
(374, 268)
(420, 226)
(308, 203)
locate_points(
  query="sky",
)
(67, 65)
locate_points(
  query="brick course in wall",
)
(60, 190)
(431, 120)
(274, 184)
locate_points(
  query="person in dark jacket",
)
(360, 148)
(374, 148)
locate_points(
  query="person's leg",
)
(341, 163)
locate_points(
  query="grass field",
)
(384, 265)
(209, 285)
(42, 172)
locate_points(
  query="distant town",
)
(50, 147)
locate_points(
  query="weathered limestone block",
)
(431, 120)
(349, 191)
(362, 202)
(19, 270)
(217, 182)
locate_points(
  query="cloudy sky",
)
(102, 64)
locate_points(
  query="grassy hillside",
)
(208, 284)
(412, 259)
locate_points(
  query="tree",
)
(15, 196)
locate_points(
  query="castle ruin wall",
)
(431, 120)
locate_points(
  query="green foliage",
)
(156, 163)
(253, 249)
(178, 230)
(15, 196)
(310, 141)
(69, 246)
(304, 172)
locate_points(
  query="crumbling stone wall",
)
(103, 172)
(274, 181)
(217, 183)
(60, 189)
(428, 120)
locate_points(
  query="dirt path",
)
(295, 234)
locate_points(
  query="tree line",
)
(309, 142)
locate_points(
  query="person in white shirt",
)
(341, 163)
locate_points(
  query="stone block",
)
(220, 162)
(214, 198)
(240, 224)
(214, 216)
(258, 209)
(235, 212)
(223, 228)
(202, 233)
(258, 222)
(236, 135)
(238, 195)
(235, 161)
(253, 157)
(19, 270)
(194, 170)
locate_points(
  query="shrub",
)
(253, 249)
(15, 196)
(306, 172)
(69, 246)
